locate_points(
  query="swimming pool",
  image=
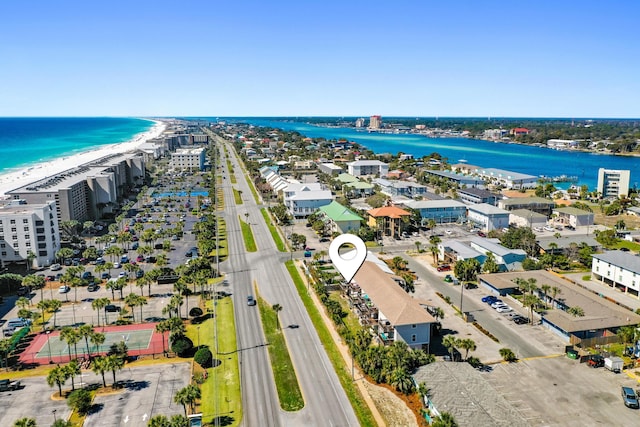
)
(181, 194)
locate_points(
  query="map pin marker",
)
(348, 264)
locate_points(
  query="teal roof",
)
(338, 213)
(360, 185)
(345, 177)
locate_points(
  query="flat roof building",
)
(613, 183)
(192, 159)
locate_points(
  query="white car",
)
(55, 267)
(504, 309)
(448, 231)
(63, 289)
(538, 229)
(117, 265)
(549, 228)
(122, 274)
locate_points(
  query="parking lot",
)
(559, 391)
(147, 391)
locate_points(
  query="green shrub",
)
(181, 346)
(203, 357)
(80, 400)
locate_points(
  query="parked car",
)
(490, 299)
(93, 287)
(497, 303)
(504, 309)
(8, 385)
(629, 398)
(111, 308)
(87, 275)
(448, 278)
(596, 361)
(444, 267)
(22, 291)
(251, 300)
(63, 289)
(520, 320)
(55, 267)
(122, 274)
(139, 274)
(105, 276)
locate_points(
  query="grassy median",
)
(284, 375)
(221, 391)
(237, 196)
(272, 229)
(247, 236)
(365, 417)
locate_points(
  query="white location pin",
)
(348, 265)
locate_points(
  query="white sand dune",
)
(28, 174)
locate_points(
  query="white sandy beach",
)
(18, 178)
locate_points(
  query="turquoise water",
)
(29, 140)
(518, 158)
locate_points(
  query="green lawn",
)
(272, 229)
(365, 417)
(247, 235)
(237, 196)
(632, 246)
(284, 375)
(222, 388)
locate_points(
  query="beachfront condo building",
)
(613, 183)
(191, 159)
(89, 191)
(29, 233)
(375, 122)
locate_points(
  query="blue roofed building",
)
(441, 211)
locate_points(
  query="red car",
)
(444, 267)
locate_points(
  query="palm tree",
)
(143, 281)
(132, 301)
(25, 422)
(555, 291)
(23, 302)
(438, 313)
(43, 305)
(161, 328)
(34, 282)
(72, 369)
(53, 307)
(530, 301)
(277, 308)
(450, 343)
(71, 337)
(181, 398)
(626, 334)
(507, 354)
(57, 376)
(467, 344)
(85, 331)
(99, 365)
(159, 421)
(97, 339)
(576, 311)
(114, 364)
(445, 419)
(98, 304)
(545, 290)
(418, 244)
(5, 348)
(402, 381)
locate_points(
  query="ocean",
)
(26, 140)
(513, 157)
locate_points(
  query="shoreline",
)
(20, 176)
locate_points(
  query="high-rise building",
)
(29, 229)
(375, 122)
(613, 183)
(360, 122)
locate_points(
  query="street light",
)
(53, 411)
(49, 346)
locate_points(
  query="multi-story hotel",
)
(29, 229)
(613, 183)
(188, 159)
(375, 122)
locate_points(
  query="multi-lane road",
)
(326, 403)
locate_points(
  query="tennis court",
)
(50, 348)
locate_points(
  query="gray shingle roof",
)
(621, 259)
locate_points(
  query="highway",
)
(326, 403)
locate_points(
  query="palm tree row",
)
(451, 343)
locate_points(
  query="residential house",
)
(384, 307)
(304, 199)
(527, 218)
(441, 211)
(573, 217)
(507, 259)
(367, 167)
(388, 220)
(535, 204)
(474, 196)
(618, 269)
(400, 188)
(340, 219)
(488, 217)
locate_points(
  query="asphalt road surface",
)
(326, 403)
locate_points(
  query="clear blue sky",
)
(354, 58)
